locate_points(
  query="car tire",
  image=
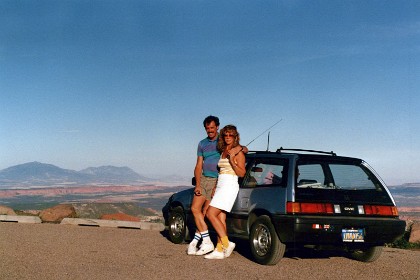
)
(266, 247)
(368, 254)
(177, 225)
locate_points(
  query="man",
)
(205, 173)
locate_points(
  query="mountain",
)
(407, 195)
(112, 173)
(41, 174)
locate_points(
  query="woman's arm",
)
(238, 163)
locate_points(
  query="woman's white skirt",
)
(226, 192)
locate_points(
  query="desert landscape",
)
(145, 196)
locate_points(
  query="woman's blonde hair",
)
(229, 128)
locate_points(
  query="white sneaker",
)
(205, 248)
(228, 251)
(215, 255)
(192, 249)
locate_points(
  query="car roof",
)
(304, 154)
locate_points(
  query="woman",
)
(231, 166)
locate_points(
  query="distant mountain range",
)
(34, 174)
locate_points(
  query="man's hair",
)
(210, 119)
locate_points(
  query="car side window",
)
(265, 172)
(310, 175)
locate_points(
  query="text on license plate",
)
(353, 235)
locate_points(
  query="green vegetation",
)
(402, 243)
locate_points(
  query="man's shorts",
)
(207, 186)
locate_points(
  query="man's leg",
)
(206, 206)
(197, 210)
(207, 186)
(201, 225)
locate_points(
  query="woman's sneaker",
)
(215, 255)
(228, 251)
(205, 248)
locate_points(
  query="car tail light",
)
(310, 208)
(328, 208)
(380, 210)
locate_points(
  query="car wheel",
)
(368, 254)
(266, 246)
(177, 225)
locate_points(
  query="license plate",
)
(353, 235)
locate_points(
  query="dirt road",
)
(47, 251)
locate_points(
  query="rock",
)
(4, 210)
(120, 217)
(57, 213)
(415, 233)
(408, 224)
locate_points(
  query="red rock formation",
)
(4, 210)
(415, 233)
(57, 213)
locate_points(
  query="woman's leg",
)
(222, 218)
(224, 247)
(218, 225)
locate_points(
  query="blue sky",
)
(128, 83)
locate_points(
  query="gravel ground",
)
(50, 251)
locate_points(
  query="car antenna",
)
(268, 141)
(263, 132)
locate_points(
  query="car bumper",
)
(315, 230)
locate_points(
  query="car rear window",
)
(338, 181)
(335, 176)
(351, 177)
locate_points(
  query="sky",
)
(128, 83)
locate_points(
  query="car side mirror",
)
(193, 181)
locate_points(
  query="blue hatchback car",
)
(293, 198)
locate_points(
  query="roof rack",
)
(303, 150)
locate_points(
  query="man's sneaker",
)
(192, 249)
(215, 255)
(228, 251)
(205, 248)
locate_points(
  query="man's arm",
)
(238, 149)
(198, 170)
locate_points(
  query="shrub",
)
(402, 242)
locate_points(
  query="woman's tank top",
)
(225, 167)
